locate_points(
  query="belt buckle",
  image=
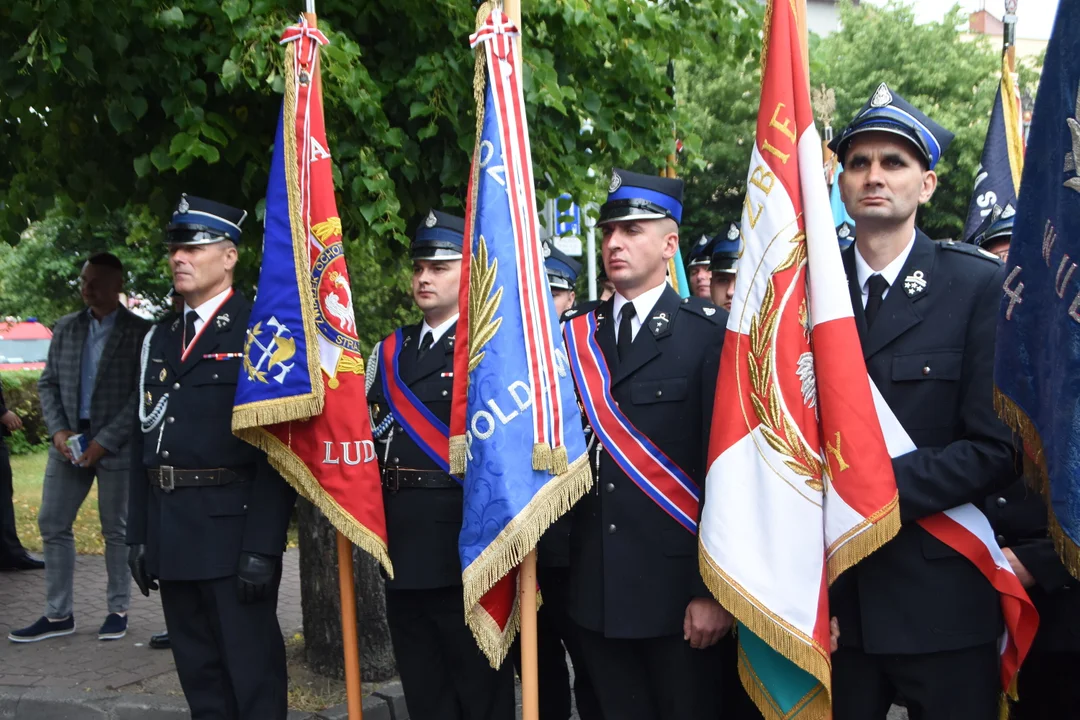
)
(394, 479)
(167, 471)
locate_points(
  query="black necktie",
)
(425, 344)
(878, 286)
(626, 332)
(189, 327)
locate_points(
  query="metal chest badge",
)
(914, 283)
(659, 323)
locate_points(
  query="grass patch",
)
(28, 473)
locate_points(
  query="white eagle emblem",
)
(616, 182)
(183, 207)
(430, 220)
(807, 380)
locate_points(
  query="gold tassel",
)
(457, 455)
(541, 456)
(883, 528)
(560, 462)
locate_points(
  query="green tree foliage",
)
(109, 108)
(951, 78)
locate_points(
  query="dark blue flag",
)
(1037, 365)
(998, 179)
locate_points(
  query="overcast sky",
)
(1035, 18)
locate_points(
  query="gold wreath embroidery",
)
(482, 308)
(776, 428)
(253, 372)
(327, 229)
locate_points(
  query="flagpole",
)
(1008, 35)
(346, 580)
(530, 689)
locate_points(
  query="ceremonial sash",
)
(644, 463)
(429, 432)
(966, 530)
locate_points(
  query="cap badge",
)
(703, 241)
(914, 283)
(547, 250)
(430, 220)
(183, 207)
(733, 232)
(616, 182)
(659, 323)
(882, 97)
(1008, 212)
(843, 232)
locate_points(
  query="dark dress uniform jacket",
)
(422, 524)
(1018, 515)
(931, 354)
(634, 568)
(198, 533)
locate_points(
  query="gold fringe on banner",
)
(511, 546)
(297, 407)
(457, 455)
(560, 460)
(858, 543)
(299, 476)
(1037, 475)
(541, 456)
(815, 704)
(773, 630)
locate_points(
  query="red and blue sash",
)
(429, 432)
(644, 463)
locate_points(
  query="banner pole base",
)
(530, 687)
(347, 591)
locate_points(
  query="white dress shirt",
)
(643, 305)
(890, 272)
(436, 332)
(206, 311)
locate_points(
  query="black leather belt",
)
(395, 478)
(169, 478)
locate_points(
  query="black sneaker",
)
(43, 629)
(114, 627)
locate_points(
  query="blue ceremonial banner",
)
(839, 210)
(1037, 364)
(998, 178)
(516, 425)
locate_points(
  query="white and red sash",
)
(967, 531)
(644, 463)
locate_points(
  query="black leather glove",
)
(255, 576)
(137, 563)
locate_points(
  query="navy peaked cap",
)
(439, 237)
(198, 221)
(633, 196)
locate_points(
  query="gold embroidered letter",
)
(1049, 237)
(1059, 284)
(765, 145)
(1013, 295)
(784, 127)
(752, 216)
(763, 179)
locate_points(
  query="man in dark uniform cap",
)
(698, 272)
(443, 672)
(725, 256)
(562, 272)
(648, 626)
(917, 619)
(995, 233)
(207, 513)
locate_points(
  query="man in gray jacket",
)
(89, 387)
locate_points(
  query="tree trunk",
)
(322, 605)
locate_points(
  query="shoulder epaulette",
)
(702, 308)
(969, 249)
(586, 307)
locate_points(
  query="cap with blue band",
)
(888, 111)
(633, 196)
(701, 252)
(439, 237)
(562, 270)
(198, 221)
(725, 251)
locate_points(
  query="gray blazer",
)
(116, 389)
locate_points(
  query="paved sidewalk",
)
(81, 661)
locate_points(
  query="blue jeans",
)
(64, 491)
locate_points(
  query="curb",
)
(30, 703)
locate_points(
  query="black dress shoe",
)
(22, 562)
(160, 641)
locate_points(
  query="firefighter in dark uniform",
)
(725, 257)
(698, 272)
(207, 514)
(917, 619)
(555, 630)
(995, 233)
(444, 674)
(648, 626)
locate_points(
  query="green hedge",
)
(21, 396)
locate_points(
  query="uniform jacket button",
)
(176, 386)
(165, 454)
(659, 393)
(611, 487)
(1000, 540)
(926, 370)
(445, 393)
(170, 419)
(215, 376)
(1002, 502)
(396, 461)
(611, 529)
